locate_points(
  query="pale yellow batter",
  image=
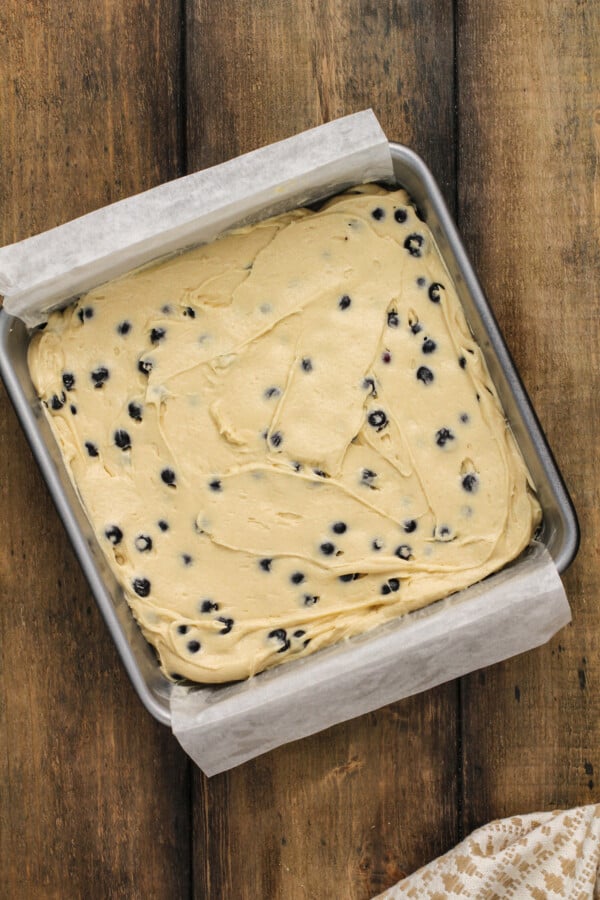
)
(285, 437)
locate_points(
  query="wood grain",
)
(260, 72)
(347, 812)
(529, 210)
(102, 100)
(94, 795)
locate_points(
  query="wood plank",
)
(94, 795)
(263, 73)
(349, 811)
(529, 195)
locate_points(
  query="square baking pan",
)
(559, 530)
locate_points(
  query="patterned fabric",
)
(541, 856)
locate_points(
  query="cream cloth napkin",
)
(541, 856)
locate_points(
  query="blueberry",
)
(462, 362)
(392, 319)
(208, 606)
(276, 438)
(428, 346)
(164, 526)
(346, 578)
(470, 483)
(280, 634)
(58, 402)
(320, 473)
(413, 243)
(310, 600)
(394, 584)
(443, 436)
(114, 534)
(443, 533)
(367, 476)
(306, 365)
(168, 476)
(400, 216)
(143, 542)
(86, 313)
(73, 409)
(299, 633)
(135, 411)
(265, 564)
(409, 526)
(188, 311)
(386, 356)
(99, 376)
(339, 527)
(404, 551)
(344, 302)
(376, 544)
(215, 484)
(377, 419)
(464, 418)
(227, 624)
(369, 385)
(272, 392)
(122, 439)
(386, 589)
(327, 548)
(157, 334)
(416, 327)
(68, 380)
(378, 213)
(145, 366)
(124, 327)
(182, 629)
(425, 375)
(141, 586)
(91, 448)
(166, 309)
(297, 578)
(434, 291)
(187, 559)
(421, 282)
(193, 646)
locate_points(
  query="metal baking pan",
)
(559, 531)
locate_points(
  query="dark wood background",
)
(101, 100)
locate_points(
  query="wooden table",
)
(102, 100)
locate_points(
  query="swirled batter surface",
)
(286, 437)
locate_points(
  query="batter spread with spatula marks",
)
(286, 437)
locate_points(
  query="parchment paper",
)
(44, 271)
(520, 608)
(513, 611)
